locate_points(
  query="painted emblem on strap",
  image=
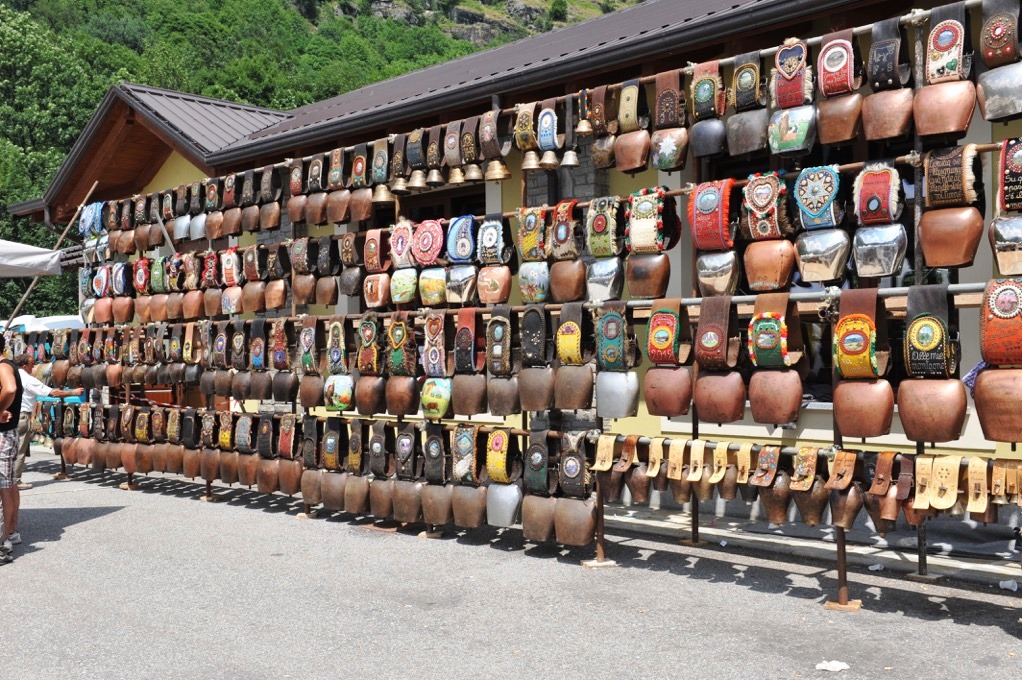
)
(855, 347)
(491, 242)
(434, 358)
(401, 244)
(768, 340)
(1009, 193)
(644, 230)
(792, 76)
(463, 453)
(498, 345)
(612, 341)
(876, 194)
(547, 130)
(532, 233)
(569, 343)
(427, 241)
(815, 192)
(461, 239)
(368, 352)
(763, 196)
(928, 350)
(601, 227)
(663, 341)
(709, 212)
(944, 57)
(837, 68)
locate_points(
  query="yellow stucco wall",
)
(175, 170)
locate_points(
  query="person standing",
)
(33, 389)
(10, 409)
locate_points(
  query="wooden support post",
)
(601, 561)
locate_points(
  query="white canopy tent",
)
(18, 260)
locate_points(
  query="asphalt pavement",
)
(158, 584)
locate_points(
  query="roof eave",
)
(29, 208)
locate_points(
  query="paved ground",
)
(156, 584)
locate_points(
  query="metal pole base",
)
(852, 606)
(925, 578)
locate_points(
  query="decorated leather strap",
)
(669, 341)
(978, 492)
(334, 169)
(1011, 478)
(210, 269)
(491, 247)
(436, 463)
(174, 426)
(226, 431)
(191, 349)
(603, 114)
(469, 147)
(308, 347)
(564, 231)
(676, 459)
(243, 434)
(998, 38)
(264, 437)
(277, 261)
(434, 352)
(368, 355)
(792, 75)
(573, 469)
(839, 65)
(816, 194)
(433, 154)
(140, 276)
(359, 166)
(239, 345)
(401, 244)
(804, 468)
(401, 349)
(944, 481)
(709, 214)
(167, 204)
(176, 340)
(876, 193)
(535, 336)
(696, 460)
(745, 91)
(883, 473)
(906, 478)
(280, 346)
(467, 358)
(775, 332)
(310, 443)
(670, 102)
(948, 49)
(763, 202)
(1000, 326)
(708, 96)
(301, 258)
(601, 227)
(461, 244)
(532, 234)
(229, 191)
(860, 339)
(427, 241)
(248, 188)
(570, 339)
(503, 464)
(70, 421)
(158, 417)
(717, 337)
(134, 346)
(331, 446)
(931, 340)
(143, 433)
(633, 110)
(547, 137)
(628, 454)
(415, 149)
(257, 345)
(336, 346)
(296, 177)
(766, 466)
(85, 423)
(269, 187)
(888, 67)
(492, 143)
(316, 172)
(1009, 183)
(499, 333)
(287, 436)
(221, 345)
(98, 423)
(375, 258)
(464, 456)
(398, 160)
(615, 343)
(85, 349)
(538, 459)
(950, 176)
(356, 442)
(406, 445)
(208, 434)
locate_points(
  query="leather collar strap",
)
(140, 273)
(335, 178)
(461, 245)
(350, 250)
(1009, 184)
(564, 231)
(951, 176)
(398, 166)
(931, 340)
(547, 136)
(883, 473)
(766, 466)
(615, 343)
(492, 144)
(72, 347)
(839, 65)
(535, 336)
(286, 438)
(949, 50)
(718, 336)
(436, 464)
(264, 436)
(226, 438)
(331, 444)
(336, 345)
(278, 265)
(210, 269)
(356, 435)
(675, 459)
(877, 193)
(708, 96)
(208, 434)
(280, 345)
(977, 492)
(308, 346)
(906, 477)
(434, 352)
(239, 345)
(70, 419)
(243, 434)
(503, 464)
(889, 67)
(570, 340)
(191, 350)
(310, 443)
(257, 345)
(464, 454)
(998, 38)
(229, 192)
(669, 341)
(792, 75)
(452, 144)
(709, 213)
(573, 470)
(816, 195)
(85, 349)
(633, 112)
(174, 426)
(469, 149)
(467, 357)
(221, 345)
(628, 455)
(143, 433)
(427, 242)
(401, 244)
(368, 355)
(158, 416)
(409, 458)
(327, 263)
(670, 105)
(296, 177)
(359, 165)
(269, 188)
(254, 263)
(127, 423)
(656, 456)
(775, 332)
(923, 473)
(860, 338)
(603, 115)
(1000, 326)
(538, 459)
(248, 189)
(764, 202)
(499, 334)
(433, 157)
(149, 346)
(375, 259)
(601, 227)
(176, 337)
(696, 460)
(804, 471)
(401, 348)
(415, 150)
(491, 244)
(745, 84)
(532, 234)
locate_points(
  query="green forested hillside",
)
(59, 57)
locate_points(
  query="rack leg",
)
(209, 496)
(922, 575)
(129, 485)
(694, 541)
(843, 604)
(601, 562)
(62, 475)
(307, 512)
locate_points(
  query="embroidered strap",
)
(407, 445)
(546, 127)
(243, 434)
(998, 38)
(603, 114)
(210, 269)
(1001, 323)
(601, 227)
(573, 470)
(931, 347)
(775, 332)
(792, 75)
(860, 338)
(669, 110)
(356, 432)
(525, 134)
(308, 346)
(876, 191)
(717, 343)
(564, 231)
(401, 348)
(380, 161)
(257, 345)
(538, 458)
(461, 244)
(436, 464)
(816, 193)
(503, 464)
(950, 176)
(296, 177)
(336, 345)
(225, 437)
(368, 355)
(532, 234)
(708, 96)
(709, 213)
(359, 163)
(220, 345)
(279, 345)
(466, 354)
(669, 341)
(140, 275)
(1009, 184)
(315, 180)
(615, 344)
(949, 52)
(633, 111)
(427, 242)
(434, 353)
(764, 206)
(491, 245)
(330, 455)
(889, 66)
(264, 437)
(208, 434)
(464, 455)
(839, 65)
(499, 332)
(375, 259)
(534, 336)
(191, 348)
(401, 244)
(433, 157)
(745, 83)
(415, 150)
(570, 338)
(469, 149)
(286, 438)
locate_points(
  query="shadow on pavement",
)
(48, 524)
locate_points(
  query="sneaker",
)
(24, 486)
(5, 558)
(6, 547)
(15, 538)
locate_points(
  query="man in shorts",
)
(32, 389)
(10, 410)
